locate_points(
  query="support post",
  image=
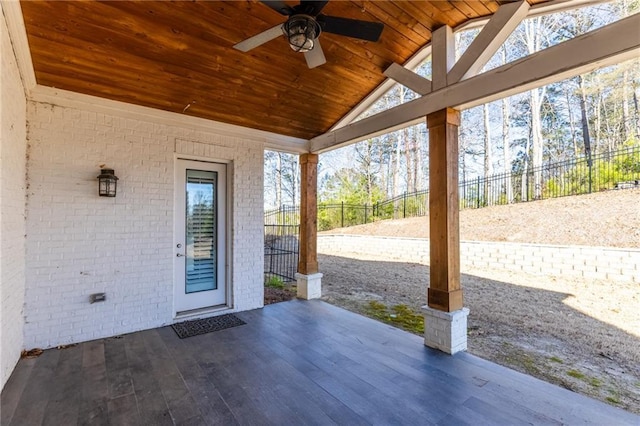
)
(309, 285)
(445, 317)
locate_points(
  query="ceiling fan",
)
(304, 24)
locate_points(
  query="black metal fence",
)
(280, 252)
(406, 205)
(613, 170)
(610, 170)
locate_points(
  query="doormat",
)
(206, 325)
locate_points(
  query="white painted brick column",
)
(309, 286)
(445, 331)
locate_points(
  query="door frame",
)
(228, 249)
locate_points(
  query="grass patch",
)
(527, 362)
(399, 315)
(613, 399)
(596, 383)
(556, 359)
(576, 374)
(593, 381)
(275, 282)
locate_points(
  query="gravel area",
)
(580, 334)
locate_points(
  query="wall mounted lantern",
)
(107, 183)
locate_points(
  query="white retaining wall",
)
(574, 261)
(79, 243)
(12, 199)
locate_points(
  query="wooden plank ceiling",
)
(168, 55)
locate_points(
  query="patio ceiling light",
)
(107, 183)
(301, 31)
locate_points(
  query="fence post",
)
(282, 214)
(342, 214)
(365, 213)
(478, 193)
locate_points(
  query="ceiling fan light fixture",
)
(301, 32)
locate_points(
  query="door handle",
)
(179, 255)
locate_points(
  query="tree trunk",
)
(381, 162)
(406, 139)
(369, 171)
(396, 168)
(586, 137)
(626, 118)
(295, 175)
(417, 162)
(533, 33)
(278, 179)
(637, 114)
(488, 160)
(536, 145)
(506, 149)
(597, 121)
(524, 186)
(572, 126)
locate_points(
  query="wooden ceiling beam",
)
(605, 46)
(487, 43)
(409, 79)
(443, 50)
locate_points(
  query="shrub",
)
(275, 282)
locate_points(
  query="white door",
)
(200, 235)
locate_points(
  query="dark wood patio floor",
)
(293, 363)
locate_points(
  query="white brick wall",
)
(12, 198)
(79, 243)
(577, 261)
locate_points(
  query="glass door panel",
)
(201, 236)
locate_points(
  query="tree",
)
(534, 31)
(282, 179)
(585, 115)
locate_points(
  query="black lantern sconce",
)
(107, 183)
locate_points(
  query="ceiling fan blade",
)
(315, 57)
(311, 7)
(363, 30)
(259, 39)
(280, 7)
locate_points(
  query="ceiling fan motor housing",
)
(301, 31)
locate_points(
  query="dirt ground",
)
(609, 219)
(580, 334)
